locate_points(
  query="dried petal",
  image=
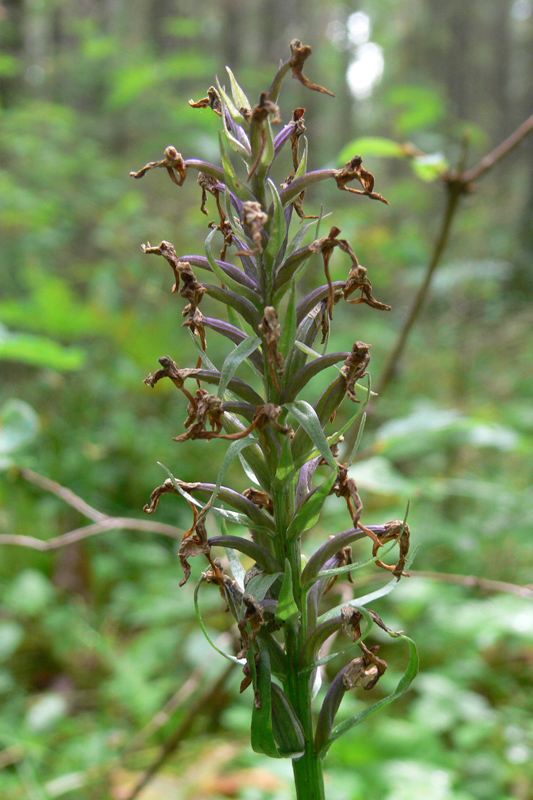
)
(353, 170)
(173, 162)
(271, 330)
(355, 367)
(202, 409)
(396, 529)
(255, 218)
(358, 280)
(326, 246)
(260, 499)
(211, 101)
(250, 625)
(299, 53)
(365, 670)
(346, 487)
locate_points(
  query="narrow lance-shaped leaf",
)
(306, 416)
(234, 360)
(277, 228)
(231, 453)
(262, 733)
(287, 728)
(260, 584)
(239, 97)
(308, 514)
(230, 175)
(288, 335)
(298, 238)
(287, 610)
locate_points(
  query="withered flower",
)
(202, 409)
(211, 101)
(354, 170)
(255, 219)
(358, 280)
(326, 245)
(300, 53)
(366, 670)
(271, 330)
(355, 366)
(173, 163)
(260, 499)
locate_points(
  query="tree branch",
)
(470, 581)
(102, 521)
(457, 182)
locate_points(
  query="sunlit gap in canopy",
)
(366, 67)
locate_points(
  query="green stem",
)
(307, 770)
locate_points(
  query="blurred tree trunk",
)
(237, 23)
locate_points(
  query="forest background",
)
(96, 639)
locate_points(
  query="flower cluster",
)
(280, 439)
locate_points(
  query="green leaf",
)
(239, 97)
(231, 453)
(242, 148)
(287, 728)
(302, 166)
(415, 107)
(287, 610)
(300, 235)
(430, 167)
(277, 227)
(285, 465)
(288, 335)
(234, 360)
(372, 146)
(308, 419)
(39, 351)
(231, 107)
(231, 179)
(309, 513)
(260, 584)
(237, 568)
(262, 732)
(357, 442)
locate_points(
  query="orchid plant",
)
(281, 440)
